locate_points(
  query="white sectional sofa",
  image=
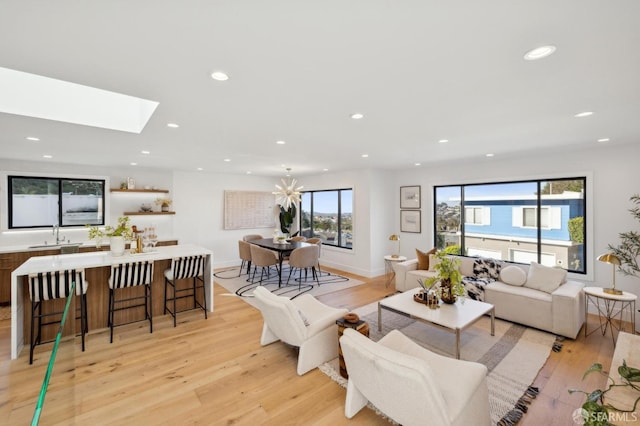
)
(536, 296)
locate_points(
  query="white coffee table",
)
(454, 318)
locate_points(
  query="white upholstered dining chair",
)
(303, 322)
(412, 385)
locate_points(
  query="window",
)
(328, 215)
(477, 215)
(527, 217)
(539, 220)
(45, 201)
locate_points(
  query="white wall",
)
(199, 204)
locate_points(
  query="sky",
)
(327, 201)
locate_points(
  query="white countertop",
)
(97, 259)
(41, 247)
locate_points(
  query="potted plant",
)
(164, 203)
(96, 234)
(117, 236)
(595, 412)
(448, 278)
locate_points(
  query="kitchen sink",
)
(55, 246)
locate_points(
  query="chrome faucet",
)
(56, 232)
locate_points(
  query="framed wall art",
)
(410, 197)
(410, 221)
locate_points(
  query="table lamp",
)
(614, 261)
(394, 237)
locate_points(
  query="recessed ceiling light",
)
(365, 155)
(280, 142)
(443, 141)
(219, 75)
(199, 169)
(47, 156)
(539, 53)
(325, 170)
(173, 125)
(583, 114)
(32, 138)
(145, 152)
(489, 155)
(604, 140)
(133, 164)
(248, 172)
(417, 164)
(226, 160)
(357, 116)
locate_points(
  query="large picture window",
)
(527, 221)
(328, 215)
(36, 202)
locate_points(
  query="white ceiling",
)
(420, 71)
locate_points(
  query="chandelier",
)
(288, 195)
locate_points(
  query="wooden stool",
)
(361, 327)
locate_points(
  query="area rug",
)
(239, 286)
(514, 356)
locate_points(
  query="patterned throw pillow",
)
(487, 268)
(475, 287)
(423, 259)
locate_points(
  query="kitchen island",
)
(97, 267)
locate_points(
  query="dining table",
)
(282, 247)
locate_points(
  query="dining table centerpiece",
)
(287, 197)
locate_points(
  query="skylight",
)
(43, 97)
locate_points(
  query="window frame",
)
(539, 206)
(60, 180)
(339, 236)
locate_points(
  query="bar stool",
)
(128, 275)
(184, 268)
(50, 286)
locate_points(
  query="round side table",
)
(389, 270)
(610, 307)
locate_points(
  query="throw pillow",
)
(486, 268)
(423, 259)
(545, 279)
(513, 275)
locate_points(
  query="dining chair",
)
(264, 259)
(318, 242)
(49, 286)
(304, 258)
(244, 249)
(298, 238)
(251, 237)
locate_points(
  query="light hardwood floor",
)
(215, 372)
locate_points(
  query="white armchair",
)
(412, 385)
(303, 322)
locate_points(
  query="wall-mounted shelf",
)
(163, 191)
(147, 213)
